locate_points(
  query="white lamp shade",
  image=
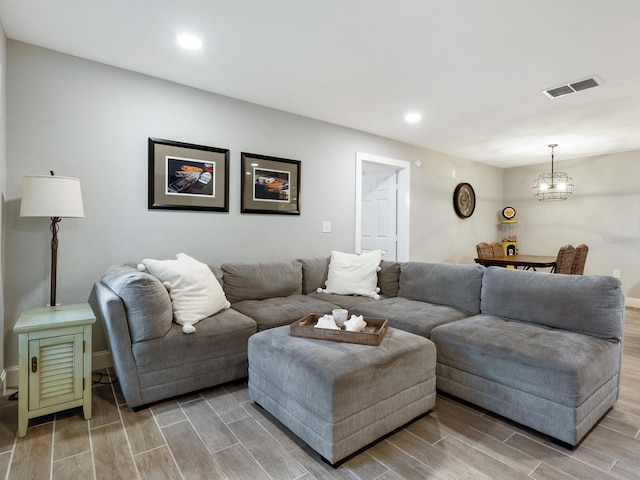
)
(51, 196)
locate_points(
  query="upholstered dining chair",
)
(564, 260)
(484, 250)
(580, 258)
(498, 251)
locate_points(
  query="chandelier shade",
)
(554, 185)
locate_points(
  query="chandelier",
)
(554, 185)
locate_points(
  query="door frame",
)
(402, 206)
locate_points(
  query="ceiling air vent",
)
(576, 86)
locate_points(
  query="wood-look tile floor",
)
(221, 434)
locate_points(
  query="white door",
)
(400, 213)
(379, 201)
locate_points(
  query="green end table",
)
(54, 361)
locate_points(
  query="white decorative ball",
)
(188, 328)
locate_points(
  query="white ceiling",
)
(475, 69)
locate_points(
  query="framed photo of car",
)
(184, 176)
(270, 185)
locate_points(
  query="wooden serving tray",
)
(372, 334)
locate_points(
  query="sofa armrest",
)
(115, 322)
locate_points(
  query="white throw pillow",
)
(195, 293)
(351, 274)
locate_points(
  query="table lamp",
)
(54, 197)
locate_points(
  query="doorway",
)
(382, 206)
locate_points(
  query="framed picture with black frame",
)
(185, 176)
(270, 185)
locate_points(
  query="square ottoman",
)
(340, 397)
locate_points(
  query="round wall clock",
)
(464, 200)
(508, 212)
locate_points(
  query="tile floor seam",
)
(170, 424)
(220, 416)
(197, 433)
(502, 464)
(105, 425)
(13, 450)
(126, 435)
(507, 446)
(287, 452)
(53, 445)
(166, 444)
(150, 450)
(428, 467)
(463, 474)
(73, 455)
(93, 460)
(260, 465)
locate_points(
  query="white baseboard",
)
(99, 361)
(632, 302)
(11, 377)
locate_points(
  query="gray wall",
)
(84, 119)
(3, 175)
(602, 212)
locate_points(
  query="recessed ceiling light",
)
(189, 42)
(412, 117)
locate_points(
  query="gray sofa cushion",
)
(218, 273)
(342, 301)
(389, 278)
(558, 365)
(587, 304)
(274, 312)
(314, 273)
(145, 299)
(257, 281)
(409, 315)
(443, 284)
(225, 334)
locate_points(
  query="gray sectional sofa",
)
(541, 349)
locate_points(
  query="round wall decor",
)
(508, 212)
(464, 200)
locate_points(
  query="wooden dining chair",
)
(564, 260)
(580, 258)
(484, 250)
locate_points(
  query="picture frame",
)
(270, 185)
(185, 176)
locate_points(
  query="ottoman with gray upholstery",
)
(340, 397)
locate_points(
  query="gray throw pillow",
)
(314, 273)
(257, 281)
(388, 278)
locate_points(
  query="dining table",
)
(524, 261)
